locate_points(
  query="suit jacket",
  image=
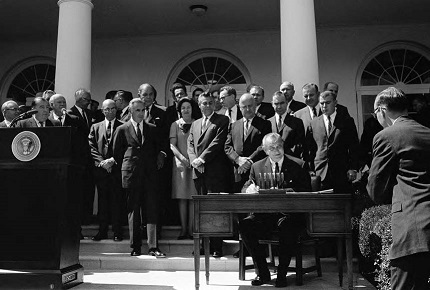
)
(293, 134)
(31, 123)
(335, 154)
(305, 115)
(158, 123)
(296, 175)
(209, 146)
(3, 124)
(236, 145)
(85, 125)
(400, 174)
(136, 160)
(69, 121)
(100, 148)
(265, 111)
(295, 106)
(249, 146)
(238, 113)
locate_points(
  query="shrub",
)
(368, 220)
(383, 230)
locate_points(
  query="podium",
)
(40, 208)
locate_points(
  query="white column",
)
(73, 67)
(299, 55)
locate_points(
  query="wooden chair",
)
(302, 242)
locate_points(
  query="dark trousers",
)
(262, 226)
(411, 272)
(110, 202)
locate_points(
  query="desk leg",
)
(206, 243)
(349, 261)
(197, 261)
(340, 259)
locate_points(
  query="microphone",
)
(63, 111)
(23, 116)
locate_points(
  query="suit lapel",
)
(133, 132)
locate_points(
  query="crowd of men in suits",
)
(126, 154)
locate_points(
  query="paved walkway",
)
(184, 280)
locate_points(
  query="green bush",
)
(368, 220)
(383, 230)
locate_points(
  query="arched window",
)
(404, 65)
(208, 69)
(27, 78)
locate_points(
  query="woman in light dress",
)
(182, 180)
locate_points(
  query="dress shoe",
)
(258, 281)
(100, 236)
(136, 252)
(117, 237)
(237, 254)
(156, 253)
(217, 254)
(281, 282)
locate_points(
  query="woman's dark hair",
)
(185, 100)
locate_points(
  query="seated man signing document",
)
(260, 225)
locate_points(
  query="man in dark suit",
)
(287, 88)
(155, 117)
(81, 111)
(179, 91)
(107, 174)
(260, 226)
(333, 145)
(400, 175)
(290, 128)
(122, 99)
(227, 97)
(135, 150)
(40, 119)
(244, 140)
(10, 111)
(212, 171)
(264, 110)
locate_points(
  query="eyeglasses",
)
(14, 109)
(275, 148)
(109, 109)
(379, 109)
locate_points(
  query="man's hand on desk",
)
(252, 188)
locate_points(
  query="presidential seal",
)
(25, 146)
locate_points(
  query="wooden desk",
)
(329, 216)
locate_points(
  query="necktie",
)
(314, 111)
(329, 125)
(246, 127)
(276, 167)
(139, 133)
(229, 113)
(279, 123)
(109, 134)
(146, 113)
(85, 117)
(204, 124)
(60, 118)
(40, 124)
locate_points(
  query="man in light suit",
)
(260, 225)
(135, 150)
(264, 110)
(289, 127)
(212, 171)
(40, 119)
(287, 88)
(10, 111)
(332, 141)
(243, 149)
(227, 97)
(312, 109)
(107, 174)
(122, 99)
(400, 175)
(59, 113)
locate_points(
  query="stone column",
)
(299, 55)
(73, 67)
